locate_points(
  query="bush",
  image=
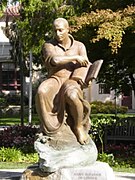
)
(107, 108)
(15, 99)
(3, 100)
(12, 99)
(98, 124)
(121, 150)
(21, 137)
(118, 163)
(108, 158)
(16, 155)
(10, 155)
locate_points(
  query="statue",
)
(60, 94)
(65, 149)
(63, 112)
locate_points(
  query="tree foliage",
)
(108, 24)
(107, 28)
(110, 35)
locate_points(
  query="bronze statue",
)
(59, 99)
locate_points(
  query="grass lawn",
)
(9, 121)
(124, 169)
(13, 165)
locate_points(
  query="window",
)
(10, 77)
(103, 89)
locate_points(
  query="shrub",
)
(13, 99)
(16, 155)
(3, 100)
(31, 157)
(122, 109)
(107, 108)
(108, 158)
(121, 150)
(10, 155)
(98, 124)
(21, 137)
(118, 163)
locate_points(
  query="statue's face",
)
(61, 31)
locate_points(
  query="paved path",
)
(15, 174)
(124, 176)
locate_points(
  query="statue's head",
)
(61, 29)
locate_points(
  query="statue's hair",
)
(62, 20)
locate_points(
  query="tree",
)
(113, 36)
(106, 28)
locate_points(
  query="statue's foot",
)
(81, 135)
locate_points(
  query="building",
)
(100, 92)
(9, 74)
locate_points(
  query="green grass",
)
(113, 115)
(13, 165)
(9, 121)
(124, 169)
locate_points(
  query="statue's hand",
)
(83, 61)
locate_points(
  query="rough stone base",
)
(62, 150)
(97, 171)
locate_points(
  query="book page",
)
(93, 71)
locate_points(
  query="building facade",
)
(100, 92)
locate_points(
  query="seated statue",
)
(59, 98)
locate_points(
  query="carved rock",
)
(63, 151)
(98, 171)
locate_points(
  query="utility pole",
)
(30, 88)
(22, 81)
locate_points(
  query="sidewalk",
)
(15, 174)
(124, 176)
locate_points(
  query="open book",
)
(86, 74)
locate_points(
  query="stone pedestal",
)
(62, 150)
(97, 171)
(61, 157)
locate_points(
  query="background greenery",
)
(17, 143)
(107, 28)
